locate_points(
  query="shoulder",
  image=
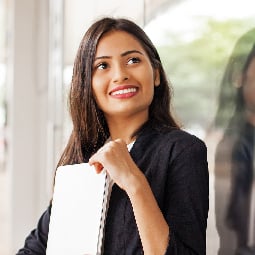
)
(180, 136)
(180, 142)
(171, 141)
(168, 136)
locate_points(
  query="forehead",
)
(117, 42)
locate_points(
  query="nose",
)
(120, 73)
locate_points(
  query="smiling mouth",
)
(124, 91)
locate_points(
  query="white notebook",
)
(76, 210)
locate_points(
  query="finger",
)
(98, 167)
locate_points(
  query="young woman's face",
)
(249, 87)
(123, 79)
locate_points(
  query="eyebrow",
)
(130, 52)
(122, 54)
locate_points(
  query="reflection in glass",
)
(234, 164)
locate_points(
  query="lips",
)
(124, 91)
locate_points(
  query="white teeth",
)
(124, 91)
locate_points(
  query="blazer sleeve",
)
(36, 241)
(187, 200)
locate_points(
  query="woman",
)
(120, 96)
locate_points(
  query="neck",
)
(124, 128)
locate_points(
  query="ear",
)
(156, 78)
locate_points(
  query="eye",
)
(133, 60)
(102, 65)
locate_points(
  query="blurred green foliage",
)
(195, 67)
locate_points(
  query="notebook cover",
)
(76, 210)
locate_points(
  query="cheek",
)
(150, 81)
(149, 92)
(97, 86)
(147, 74)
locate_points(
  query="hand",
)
(114, 157)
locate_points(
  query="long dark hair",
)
(90, 129)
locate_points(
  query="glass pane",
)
(196, 39)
